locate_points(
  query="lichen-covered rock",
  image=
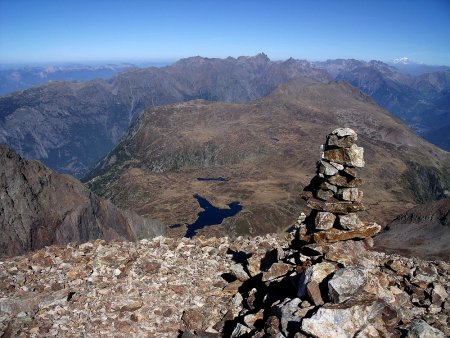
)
(439, 294)
(350, 194)
(335, 207)
(344, 181)
(238, 271)
(286, 311)
(326, 168)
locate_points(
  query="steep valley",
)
(268, 149)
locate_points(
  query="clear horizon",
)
(138, 31)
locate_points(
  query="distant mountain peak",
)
(262, 56)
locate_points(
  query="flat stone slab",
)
(335, 235)
(337, 207)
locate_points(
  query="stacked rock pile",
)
(329, 284)
(333, 194)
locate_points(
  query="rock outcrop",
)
(40, 207)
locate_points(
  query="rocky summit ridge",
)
(300, 285)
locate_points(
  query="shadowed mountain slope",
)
(421, 101)
(39, 207)
(423, 231)
(268, 149)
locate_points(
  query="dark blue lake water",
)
(211, 215)
(220, 179)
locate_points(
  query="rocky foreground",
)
(320, 281)
(214, 287)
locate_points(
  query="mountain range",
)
(267, 150)
(14, 79)
(407, 66)
(70, 126)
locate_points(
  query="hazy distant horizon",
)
(93, 63)
(163, 63)
(92, 31)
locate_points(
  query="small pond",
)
(211, 215)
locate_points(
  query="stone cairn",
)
(322, 281)
(333, 194)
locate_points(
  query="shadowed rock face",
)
(39, 207)
(423, 231)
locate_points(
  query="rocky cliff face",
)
(40, 207)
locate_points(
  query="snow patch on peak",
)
(404, 61)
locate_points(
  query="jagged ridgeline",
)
(70, 126)
(266, 149)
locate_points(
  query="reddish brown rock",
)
(335, 235)
(276, 270)
(193, 319)
(313, 291)
(352, 156)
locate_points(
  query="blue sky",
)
(145, 30)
